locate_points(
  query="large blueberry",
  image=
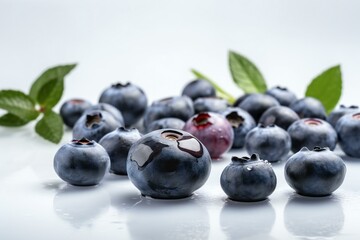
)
(94, 125)
(248, 179)
(81, 162)
(213, 130)
(177, 107)
(309, 107)
(162, 123)
(315, 173)
(168, 163)
(312, 132)
(279, 115)
(210, 104)
(107, 108)
(336, 114)
(256, 104)
(117, 144)
(270, 142)
(284, 96)
(199, 88)
(242, 122)
(348, 130)
(128, 98)
(71, 110)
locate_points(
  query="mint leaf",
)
(49, 86)
(50, 127)
(11, 120)
(18, 104)
(219, 91)
(326, 87)
(245, 74)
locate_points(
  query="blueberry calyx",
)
(82, 141)
(312, 122)
(261, 125)
(320, 149)
(171, 135)
(356, 116)
(350, 107)
(281, 88)
(234, 119)
(245, 159)
(202, 120)
(120, 85)
(93, 119)
(304, 149)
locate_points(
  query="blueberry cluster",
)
(166, 148)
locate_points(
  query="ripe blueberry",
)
(309, 107)
(71, 110)
(256, 104)
(198, 88)
(162, 123)
(108, 108)
(283, 95)
(210, 104)
(335, 115)
(348, 130)
(279, 115)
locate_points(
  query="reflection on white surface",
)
(164, 219)
(310, 217)
(250, 220)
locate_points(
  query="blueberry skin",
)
(309, 107)
(240, 99)
(128, 98)
(177, 107)
(256, 104)
(279, 115)
(162, 123)
(336, 114)
(270, 142)
(315, 173)
(94, 125)
(312, 132)
(242, 122)
(248, 179)
(210, 104)
(168, 164)
(71, 110)
(282, 95)
(348, 130)
(117, 144)
(198, 88)
(81, 162)
(108, 108)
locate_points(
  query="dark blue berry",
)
(242, 122)
(71, 110)
(210, 104)
(168, 163)
(108, 108)
(309, 107)
(283, 95)
(241, 99)
(199, 88)
(162, 123)
(248, 179)
(312, 132)
(81, 162)
(128, 98)
(256, 104)
(279, 115)
(270, 142)
(348, 130)
(315, 173)
(117, 144)
(336, 114)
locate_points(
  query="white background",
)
(154, 44)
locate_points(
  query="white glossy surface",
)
(154, 44)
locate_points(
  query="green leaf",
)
(11, 120)
(50, 127)
(245, 74)
(326, 87)
(48, 87)
(18, 104)
(219, 91)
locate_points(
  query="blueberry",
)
(279, 115)
(94, 125)
(177, 107)
(348, 130)
(311, 132)
(128, 98)
(283, 95)
(248, 179)
(168, 163)
(71, 110)
(240, 99)
(210, 104)
(213, 130)
(336, 114)
(270, 142)
(108, 108)
(242, 122)
(315, 173)
(199, 88)
(162, 123)
(256, 104)
(81, 162)
(117, 144)
(309, 107)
